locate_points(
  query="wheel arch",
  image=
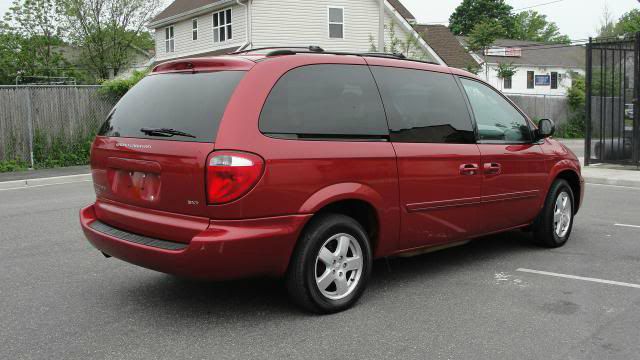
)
(358, 201)
(571, 177)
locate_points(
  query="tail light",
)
(230, 175)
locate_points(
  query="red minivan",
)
(307, 165)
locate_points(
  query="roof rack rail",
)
(294, 50)
(311, 48)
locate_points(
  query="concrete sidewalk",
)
(21, 179)
(607, 176)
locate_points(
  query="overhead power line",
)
(538, 5)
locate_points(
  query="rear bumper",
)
(225, 250)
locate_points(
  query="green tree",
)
(106, 31)
(31, 34)
(409, 46)
(483, 36)
(533, 26)
(575, 125)
(473, 12)
(607, 24)
(629, 23)
(506, 70)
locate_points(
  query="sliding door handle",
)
(469, 169)
(492, 169)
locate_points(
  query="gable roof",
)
(402, 10)
(178, 7)
(539, 54)
(443, 42)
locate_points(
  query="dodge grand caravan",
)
(308, 165)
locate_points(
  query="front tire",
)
(554, 224)
(330, 266)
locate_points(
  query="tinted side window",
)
(497, 119)
(423, 106)
(325, 100)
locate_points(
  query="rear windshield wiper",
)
(166, 132)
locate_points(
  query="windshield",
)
(180, 107)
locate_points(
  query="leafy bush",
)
(116, 88)
(13, 165)
(575, 126)
(61, 152)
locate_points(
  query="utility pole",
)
(381, 28)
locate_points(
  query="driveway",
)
(496, 298)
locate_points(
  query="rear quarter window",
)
(325, 100)
(187, 102)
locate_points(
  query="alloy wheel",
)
(338, 266)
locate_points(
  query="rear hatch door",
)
(151, 151)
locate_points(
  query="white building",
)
(189, 28)
(541, 69)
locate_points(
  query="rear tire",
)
(553, 226)
(330, 266)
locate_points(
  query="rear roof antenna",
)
(316, 49)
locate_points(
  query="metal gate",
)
(612, 91)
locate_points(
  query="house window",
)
(554, 80)
(194, 31)
(222, 26)
(169, 40)
(530, 79)
(336, 23)
(508, 82)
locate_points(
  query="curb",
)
(613, 182)
(58, 180)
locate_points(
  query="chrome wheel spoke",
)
(565, 202)
(343, 246)
(325, 280)
(326, 257)
(354, 263)
(342, 286)
(557, 217)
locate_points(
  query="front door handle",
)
(469, 169)
(492, 169)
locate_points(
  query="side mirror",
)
(546, 128)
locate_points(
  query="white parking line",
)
(627, 225)
(44, 185)
(614, 186)
(601, 281)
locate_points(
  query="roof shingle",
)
(540, 54)
(446, 45)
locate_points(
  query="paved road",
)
(60, 299)
(576, 145)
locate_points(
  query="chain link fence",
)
(49, 126)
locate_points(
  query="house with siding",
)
(192, 28)
(540, 69)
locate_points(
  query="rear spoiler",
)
(219, 63)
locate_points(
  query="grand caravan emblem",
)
(133, 146)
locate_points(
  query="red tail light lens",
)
(230, 175)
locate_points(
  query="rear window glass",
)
(325, 100)
(191, 104)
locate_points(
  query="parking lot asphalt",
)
(60, 299)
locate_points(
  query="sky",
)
(577, 18)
